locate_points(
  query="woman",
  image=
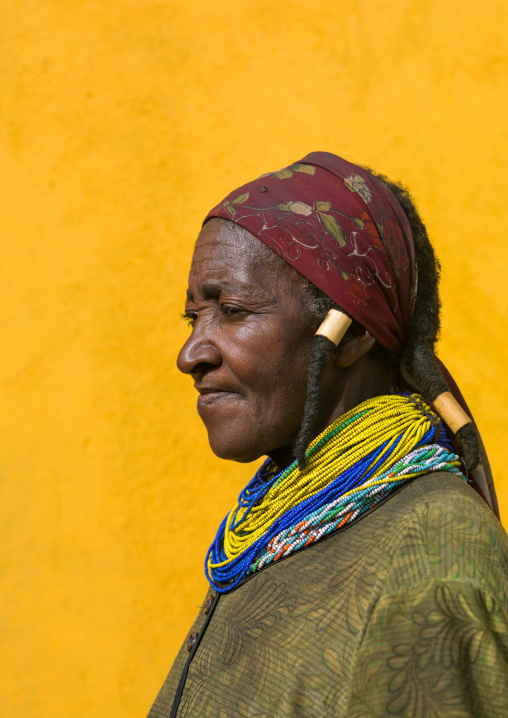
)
(363, 571)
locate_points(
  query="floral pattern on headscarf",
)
(356, 183)
(343, 230)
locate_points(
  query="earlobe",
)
(353, 348)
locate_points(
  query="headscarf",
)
(345, 231)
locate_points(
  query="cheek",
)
(272, 374)
(278, 374)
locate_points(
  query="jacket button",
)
(191, 641)
(208, 604)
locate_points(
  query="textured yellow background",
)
(122, 122)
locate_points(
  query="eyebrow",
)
(213, 290)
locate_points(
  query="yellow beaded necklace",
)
(363, 454)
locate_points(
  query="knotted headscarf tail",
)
(345, 231)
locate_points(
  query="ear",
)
(353, 347)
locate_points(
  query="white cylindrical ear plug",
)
(334, 326)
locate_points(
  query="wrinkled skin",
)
(249, 346)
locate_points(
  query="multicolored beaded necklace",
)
(352, 466)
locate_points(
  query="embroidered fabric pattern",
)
(352, 466)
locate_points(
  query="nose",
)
(198, 353)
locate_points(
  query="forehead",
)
(220, 238)
(228, 254)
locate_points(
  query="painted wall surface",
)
(121, 124)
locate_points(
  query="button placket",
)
(193, 640)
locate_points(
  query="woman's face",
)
(248, 347)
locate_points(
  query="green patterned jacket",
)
(403, 613)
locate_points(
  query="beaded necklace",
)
(352, 466)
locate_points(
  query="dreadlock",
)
(421, 336)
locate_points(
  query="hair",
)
(421, 336)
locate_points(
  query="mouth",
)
(211, 395)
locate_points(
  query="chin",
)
(235, 450)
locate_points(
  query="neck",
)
(357, 383)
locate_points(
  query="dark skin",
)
(249, 346)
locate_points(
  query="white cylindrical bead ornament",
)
(451, 411)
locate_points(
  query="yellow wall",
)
(122, 122)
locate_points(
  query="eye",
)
(231, 311)
(190, 318)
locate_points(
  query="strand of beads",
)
(351, 466)
(348, 507)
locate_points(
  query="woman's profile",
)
(363, 571)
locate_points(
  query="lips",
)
(212, 395)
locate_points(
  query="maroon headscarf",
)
(344, 231)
